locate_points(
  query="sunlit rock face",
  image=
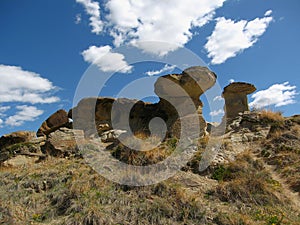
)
(54, 122)
(235, 95)
(179, 97)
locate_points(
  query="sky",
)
(47, 47)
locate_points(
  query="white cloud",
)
(164, 69)
(106, 60)
(269, 13)
(217, 112)
(18, 85)
(25, 113)
(218, 98)
(277, 95)
(168, 21)
(1, 122)
(78, 18)
(92, 8)
(231, 81)
(230, 38)
(3, 109)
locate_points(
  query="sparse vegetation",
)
(271, 116)
(67, 191)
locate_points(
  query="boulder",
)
(235, 95)
(55, 121)
(15, 138)
(63, 142)
(111, 135)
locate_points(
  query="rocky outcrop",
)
(98, 115)
(235, 95)
(111, 135)
(63, 142)
(15, 138)
(179, 97)
(20, 143)
(55, 121)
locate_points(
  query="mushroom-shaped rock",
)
(179, 94)
(235, 95)
(193, 82)
(54, 122)
(179, 97)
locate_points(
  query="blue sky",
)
(46, 47)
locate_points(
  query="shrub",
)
(271, 116)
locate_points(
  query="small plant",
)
(221, 173)
(172, 142)
(37, 217)
(274, 220)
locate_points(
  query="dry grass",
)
(283, 152)
(244, 181)
(271, 116)
(147, 153)
(69, 192)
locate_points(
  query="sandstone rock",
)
(15, 138)
(63, 142)
(194, 81)
(20, 161)
(97, 115)
(55, 121)
(111, 135)
(187, 124)
(235, 95)
(179, 96)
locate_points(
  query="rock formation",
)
(55, 121)
(15, 138)
(235, 95)
(63, 142)
(97, 115)
(20, 143)
(179, 97)
(180, 94)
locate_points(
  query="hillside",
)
(85, 167)
(261, 185)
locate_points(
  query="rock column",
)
(235, 95)
(179, 96)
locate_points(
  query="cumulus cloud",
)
(137, 22)
(3, 109)
(229, 38)
(277, 95)
(92, 8)
(269, 13)
(164, 69)
(231, 81)
(217, 112)
(25, 113)
(106, 60)
(18, 85)
(78, 19)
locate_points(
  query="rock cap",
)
(239, 87)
